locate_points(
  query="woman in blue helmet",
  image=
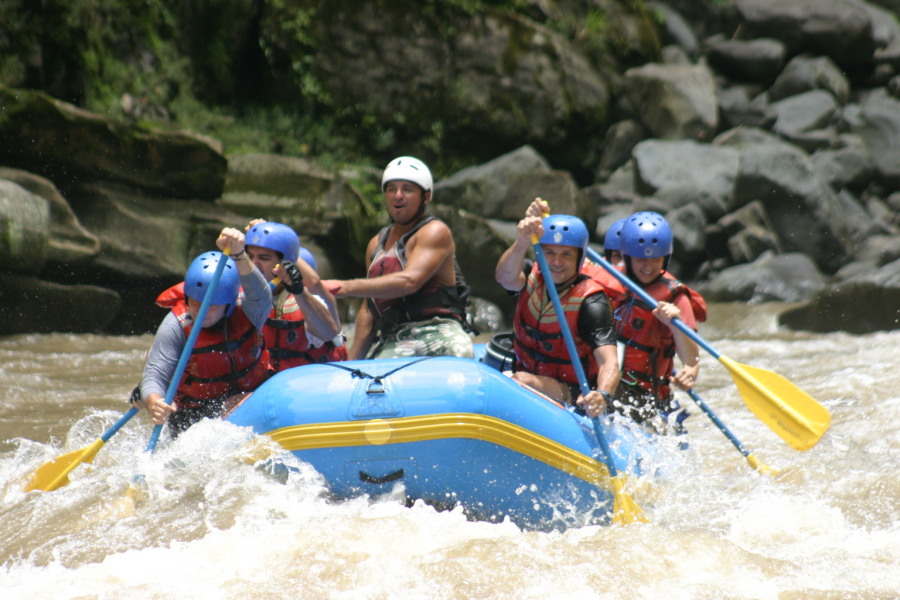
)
(542, 359)
(651, 340)
(303, 326)
(229, 357)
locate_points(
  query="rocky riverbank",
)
(767, 132)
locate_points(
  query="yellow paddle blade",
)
(625, 509)
(55, 473)
(787, 410)
(760, 465)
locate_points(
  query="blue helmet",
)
(275, 236)
(307, 256)
(566, 230)
(613, 239)
(646, 235)
(200, 273)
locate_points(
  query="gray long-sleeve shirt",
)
(256, 302)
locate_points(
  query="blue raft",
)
(453, 431)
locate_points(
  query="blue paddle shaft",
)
(119, 424)
(718, 422)
(189, 345)
(573, 352)
(650, 300)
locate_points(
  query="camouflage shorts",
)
(434, 337)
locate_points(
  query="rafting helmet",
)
(200, 274)
(613, 239)
(275, 236)
(408, 168)
(566, 230)
(308, 257)
(647, 235)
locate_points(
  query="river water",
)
(211, 526)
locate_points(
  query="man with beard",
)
(415, 294)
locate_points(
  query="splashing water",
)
(208, 525)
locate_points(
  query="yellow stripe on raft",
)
(444, 426)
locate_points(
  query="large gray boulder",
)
(66, 145)
(68, 239)
(806, 119)
(483, 188)
(24, 229)
(295, 191)
(759, 60)
(878, 124)
(839, 29)
(706, 169)
(29, 305)
(806, 73)
(673, 101)
(790, 277)
(863, 304)
(804, 210)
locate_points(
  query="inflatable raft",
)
(452, 431)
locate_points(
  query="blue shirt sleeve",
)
(256, 298)
(163, 357)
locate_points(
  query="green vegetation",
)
(241, 72)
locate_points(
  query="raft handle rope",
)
(376, 386)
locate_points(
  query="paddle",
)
(55, 473)
(751, 459)
(786, 409)
(625, 509)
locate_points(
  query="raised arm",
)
(509, 271)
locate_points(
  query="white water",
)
(211, 526)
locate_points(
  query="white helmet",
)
(408, 168)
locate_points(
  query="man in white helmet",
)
(416, 295)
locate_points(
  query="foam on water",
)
(211, 526)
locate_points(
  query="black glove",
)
(294, 273)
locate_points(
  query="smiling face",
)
(265, 260)
(405, 201)
(647, 269)
(214, 313)
(563, 262)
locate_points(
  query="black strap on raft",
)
(377, 380)
(366, 478)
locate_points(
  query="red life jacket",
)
(649, 344)
(612, 286)
(538, 342)
(226, 359)
(431, 300)
(286, 341)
